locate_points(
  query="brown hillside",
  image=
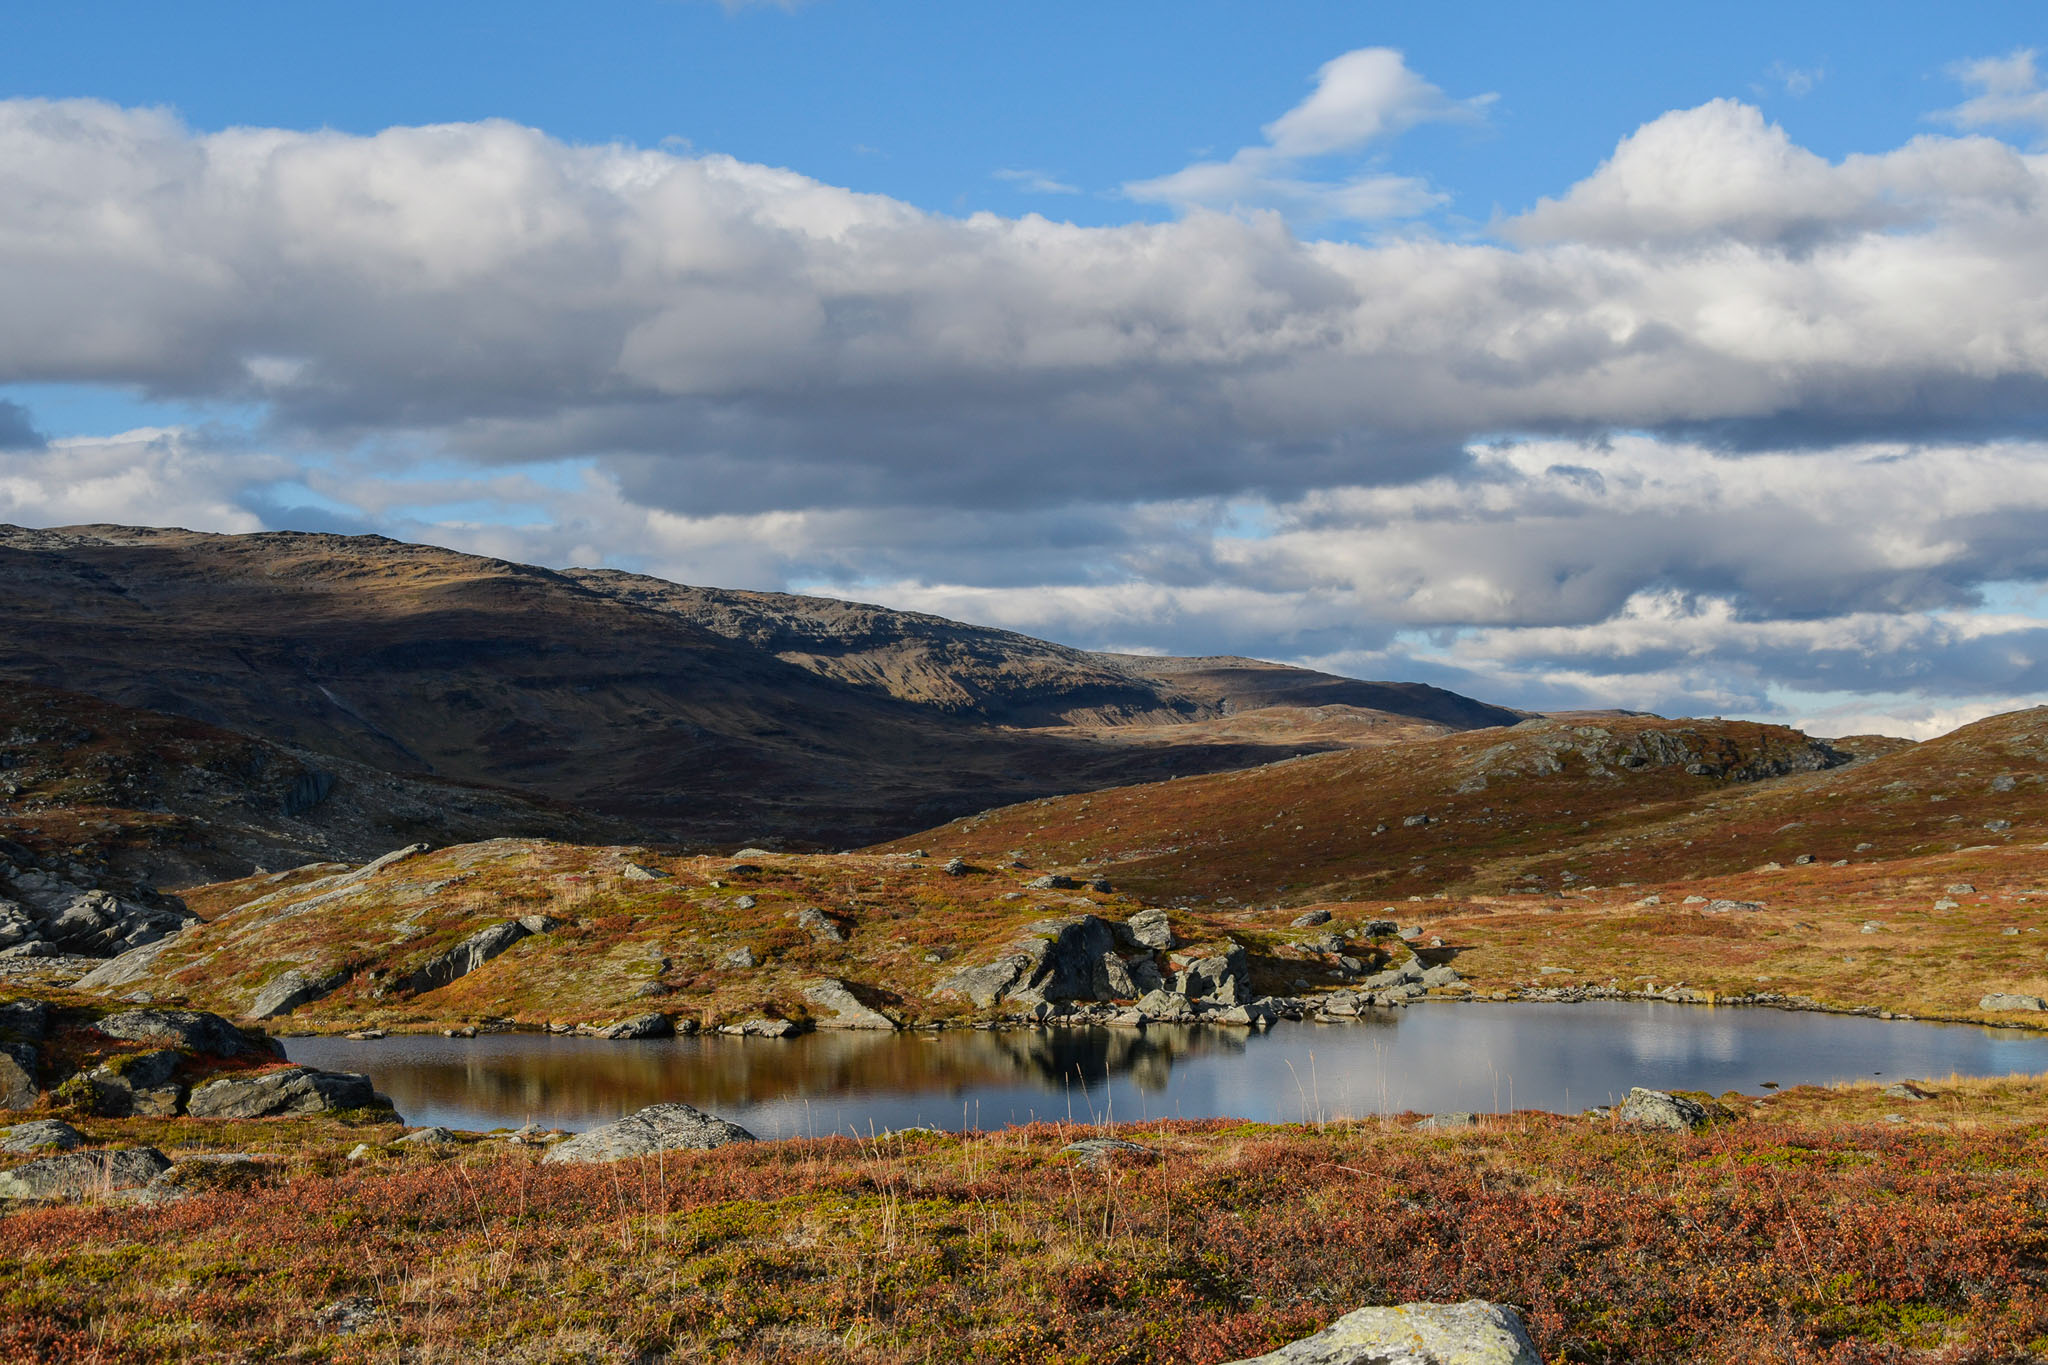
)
(601, 691)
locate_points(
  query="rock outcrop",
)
(1471, 1333)
(290, 989)
(657, 1128)
(53, 1135)
(18, 1088)
(292, 1090)
(2001, 1002)
(468, 955)
(80, 1175)
(1655, 1109)
(842, 1009)
(190, 1030)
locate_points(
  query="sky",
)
(1686, 358)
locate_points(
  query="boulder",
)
(139, 1084)
(2001, 1001)
(53, 1134)
(293, 1090)
(1223, 978)
(76, 1175)
(1162, 1004)
(1062, 959)
(740, 958)
(986, 984)
(290, 989)
(18, 926)
(842, 1008)
(763, 1028)
(1113, 980)
(466, 956)
(18, 1088)
(1471, 1333)
(1052, 881)
(1311, 919)
(190, 1030)
(1381, 928)
(637, 872)
(640, 1026)
(1102, 1151)
(207, 1173)
(25, 1020)
(1437, 977)
(1906, 1090)
(820, 926)
(658, 1128)
(1150, 929)
(430, 1137)
(1655, 1109)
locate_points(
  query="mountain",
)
(691, 715)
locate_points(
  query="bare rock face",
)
(640, 1026)
(842, 1009)
(657, 1128)
(77, 1175)
(294, 1090)
(1471, 1333)
(466, 956)
(1999, 1002)
(47, 1134)
(290, 989)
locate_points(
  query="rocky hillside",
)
(695, 715)
(125, 799)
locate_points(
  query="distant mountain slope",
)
(1546, 806)
(696, 714)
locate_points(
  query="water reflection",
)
(1477, 1057)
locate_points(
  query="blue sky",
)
(1753, 294)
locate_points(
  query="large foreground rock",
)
(191, 1030)
(1471, 1333)
(76, 1175)
(657, 1128)
(294, 1090)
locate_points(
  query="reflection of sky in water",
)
(1482, 1057)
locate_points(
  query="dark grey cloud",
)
(17, 428)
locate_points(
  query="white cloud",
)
(1363, 97)
(1038, 182)
(1777, 417)
(2009, 94)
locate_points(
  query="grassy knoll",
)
(1808, 1226)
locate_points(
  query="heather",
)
(1814, 1225)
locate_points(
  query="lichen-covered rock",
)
(191, 1030)
(2000, 1002)
(1150, 929)
(293, 1090)
(18, 1087)
(52, 1134)
(136, 1084)
(657, 1128)
(842, 1009)
(1471, 1333)
(78, 1175)
(1655, 1109)
(820, 926)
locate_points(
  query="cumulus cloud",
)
(1361, 98)
(1722, 400)
(2009, 94)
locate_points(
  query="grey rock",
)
(1113, 979)
(1381, 928)
(538, 924)
(1162, 1004)
(1906, 1090)
(640, 1026)
(26, 1020)
(136, 1085)
(137, 964)
(820, 926)
(763, 1028)
(744, 903)
(2003, 1002)
(1456, 1118)
(349, 1315)
(18, 1089)
(465, 957)
(658, 1128)
(635, 872)
(955, 867)
(1471, 1333)
(18, 926)
(1223, 978)
(1437, 977)
(843, 1009)
(740, 958)
(429, 1137)
(54, 1134)
(191, 1030)
(985, 984)
(290, 989)
(96, 923)
(1145, 975)
(1655, 1109)
(1150, 929)
(1417, 821)
(207, 1173)
(1960, 889)
(1311, 919)
(1101, 1151)
(77, 1175)
(1051, 881)
(293, 1090)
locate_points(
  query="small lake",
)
(1480, 1057)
